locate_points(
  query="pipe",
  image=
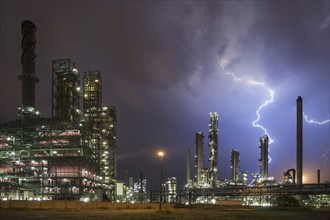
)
(287, 173)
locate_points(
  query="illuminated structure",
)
(234, 166)
(213, 135)
(136, 191)
(188, 175)
(262, 191)
(199, 159)
(289, 176)
(171, 189)
(99, 125)
(57, 158)
(263, 157)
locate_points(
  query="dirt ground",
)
(181, 214)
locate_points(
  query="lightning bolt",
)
(312, 121)
(255, 123)
(223, 63)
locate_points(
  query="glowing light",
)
(161, 153)
(306, 178)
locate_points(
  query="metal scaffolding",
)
(65, 91)
(45, 162)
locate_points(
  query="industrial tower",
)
(234, 166)
(28, 76)
(199, 159)
(188, 174)
(99, 123)
(299, 161)
(213, 135)
(263, 157)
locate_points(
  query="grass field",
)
(180, 214)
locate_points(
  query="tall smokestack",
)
(299, 140)
(188, 166)
(28, 76)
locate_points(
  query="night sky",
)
(167, 64)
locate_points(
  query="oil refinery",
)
(207, 188)
(73, 154)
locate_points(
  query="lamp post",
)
(161, 154)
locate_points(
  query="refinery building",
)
(71, 155)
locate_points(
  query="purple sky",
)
(166, 64)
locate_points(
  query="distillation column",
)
(234, 166)
(199, 158)
(299, 140)
(28, 76)
(213, 135)
(264, 157)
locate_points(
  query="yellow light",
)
(161, 153)
(306, 178)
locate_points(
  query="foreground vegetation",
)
(193, 213)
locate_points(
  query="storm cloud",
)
(160, 63)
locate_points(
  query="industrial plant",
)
(207, 188)
(73, 154)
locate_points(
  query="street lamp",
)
(161, 154)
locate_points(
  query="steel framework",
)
(46, 162)
(248, 195)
